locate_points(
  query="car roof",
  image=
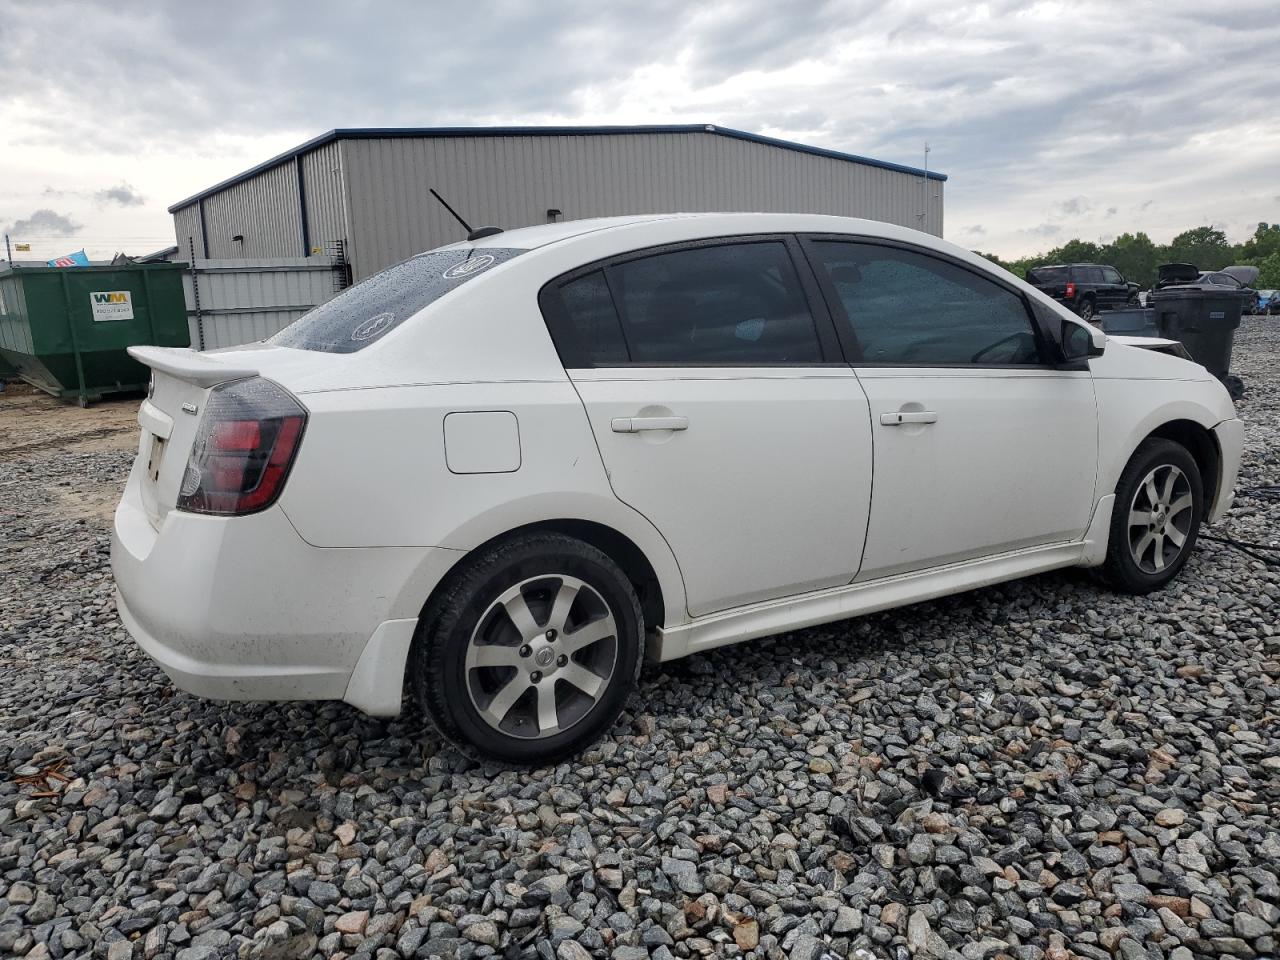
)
(530, 238)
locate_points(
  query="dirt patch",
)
(96, 502)
(35, 426)
(32, 422)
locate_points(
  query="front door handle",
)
(636, 424)
(901, 417)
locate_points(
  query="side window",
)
(1091, 275)
(738, 303)
(583, 323)
(906, 307)
(1111, 275)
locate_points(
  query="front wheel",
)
(1157, 513)
(530, 652)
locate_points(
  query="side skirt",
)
(840, 603)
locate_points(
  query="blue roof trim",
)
(377, 133)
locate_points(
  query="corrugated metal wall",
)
(326, 206)
(511, 181)
(243, 301)
(186, 229)
(373, 193)
(264, 210)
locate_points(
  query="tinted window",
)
(1089, 274)
(736, 303)
(1111, 275)
(372, 308)
(910, 308)
(583, 323)
(1047, 275)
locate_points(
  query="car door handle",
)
(899, 418)
(636, 424)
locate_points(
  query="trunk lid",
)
(1245, 274)
(1170, 273)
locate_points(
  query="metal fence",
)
(231, 302)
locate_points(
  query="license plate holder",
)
(156, 458)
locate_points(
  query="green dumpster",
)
(65, 329)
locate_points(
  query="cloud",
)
(1044, 230)
(1018, 111)
(975, 229)
(121, 194)
(1112, 211)
(1074, 206)
(43, 223)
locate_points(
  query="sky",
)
(1052, 120)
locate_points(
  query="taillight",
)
(246, 443)
(1071, 289)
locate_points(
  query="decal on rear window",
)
(468, 267)
(371, 309)
(373, 326)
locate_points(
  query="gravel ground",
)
(1040, 769)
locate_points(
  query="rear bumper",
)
(243, 609)
(1230, 436)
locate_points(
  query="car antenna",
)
(477, 234)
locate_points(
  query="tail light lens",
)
(246, 443)
(1071, 289)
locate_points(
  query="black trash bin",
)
(1204, 318)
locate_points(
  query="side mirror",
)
(1079, 342)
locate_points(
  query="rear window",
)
(1047, 275)
(374, 307)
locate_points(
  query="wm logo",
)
(110, 297)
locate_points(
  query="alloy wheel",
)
(1160, 518)
(541, 656)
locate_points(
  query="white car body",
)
(793, 498)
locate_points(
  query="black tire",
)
(1121, 570)
(442, 684)
(1088, 309)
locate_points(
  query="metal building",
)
(363, 194)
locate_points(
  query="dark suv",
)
(1084, 287)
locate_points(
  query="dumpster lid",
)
(1179, 273)
(1246, 275)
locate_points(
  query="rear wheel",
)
(1088, 309)
(1157, 513)
(530, 652)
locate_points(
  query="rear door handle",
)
(636, 424)
(899, 418)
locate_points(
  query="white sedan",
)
(500, 474)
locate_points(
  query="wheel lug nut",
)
(535, 676)
(562, 660)
(551, 634)
(526, 650)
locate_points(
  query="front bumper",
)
(1230, 436)
(242, 608)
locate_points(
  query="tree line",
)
(1137, 257)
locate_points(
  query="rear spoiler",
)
(186, 364)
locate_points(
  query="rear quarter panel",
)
(372, 471)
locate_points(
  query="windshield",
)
(374, 307)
